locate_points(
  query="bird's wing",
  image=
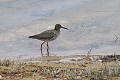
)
(46, 34)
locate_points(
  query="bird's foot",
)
(43, 55)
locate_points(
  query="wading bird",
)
(48, 36)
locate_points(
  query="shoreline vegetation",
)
(72, 67)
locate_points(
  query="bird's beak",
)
(64, 28)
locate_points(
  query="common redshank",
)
(48, 36)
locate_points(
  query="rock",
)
(0, 77)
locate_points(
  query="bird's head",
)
(58, 27)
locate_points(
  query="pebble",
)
(0, 77)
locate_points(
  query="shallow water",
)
(19, 19)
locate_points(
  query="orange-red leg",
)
(41, 48)
(47, 49)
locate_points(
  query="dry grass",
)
(27, 70)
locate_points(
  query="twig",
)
(116, 39)
(90, 50)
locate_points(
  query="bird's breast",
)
(56, 34)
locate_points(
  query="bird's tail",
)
(34, 37)
(31, 36)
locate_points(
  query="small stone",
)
(0, 77)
